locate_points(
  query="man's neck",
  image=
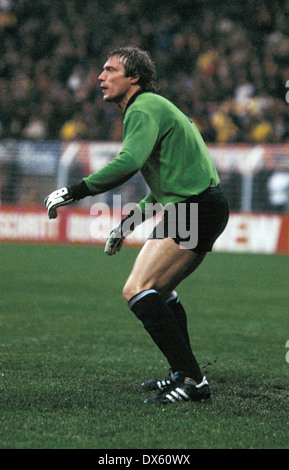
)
(123, 103)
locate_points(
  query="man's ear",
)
(134, 80)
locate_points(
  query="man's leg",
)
(161, 265)
(180, 314)
(161, 324)
(159, 268)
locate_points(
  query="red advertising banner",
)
(251, 233)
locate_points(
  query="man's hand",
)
(60, 197)
(122, 230)
(114, 241)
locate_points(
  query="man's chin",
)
(112, 99)
(108, 99)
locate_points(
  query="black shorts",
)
(195, 223)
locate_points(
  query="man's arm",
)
(140, 136)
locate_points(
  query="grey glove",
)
(114, 241)
(126, 226)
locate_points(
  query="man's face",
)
(114, 84)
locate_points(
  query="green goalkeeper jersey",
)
(166, 146)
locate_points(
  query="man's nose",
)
(102, 76)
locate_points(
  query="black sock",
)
(178, 310)
(161, 324)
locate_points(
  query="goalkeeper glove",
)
(126, 226)
(65, 196)
(60, 197)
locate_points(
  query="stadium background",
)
(224, 65)
(71, 358)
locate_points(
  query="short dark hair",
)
(137, 63)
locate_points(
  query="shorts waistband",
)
(197, 197)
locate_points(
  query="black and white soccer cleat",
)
(159, 384)
(184, 391)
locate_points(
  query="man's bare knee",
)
(127, 292)
(135, 286)
(131, 289)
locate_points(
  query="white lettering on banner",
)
(78, 228)
(250, 233)
(245, 233)
(27, 226)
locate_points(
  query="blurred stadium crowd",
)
(224, 63)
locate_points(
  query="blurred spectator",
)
(225, 64)
(262, 132)
(36, 128)
(223, 122)
(73, 128)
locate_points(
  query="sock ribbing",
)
(139, 296)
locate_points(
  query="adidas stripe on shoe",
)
(188, 390)
(159, 384)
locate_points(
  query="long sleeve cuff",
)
(79, 191)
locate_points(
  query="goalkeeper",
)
(166, 147)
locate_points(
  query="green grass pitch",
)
(72, 355)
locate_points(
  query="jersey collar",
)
(133, 98)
